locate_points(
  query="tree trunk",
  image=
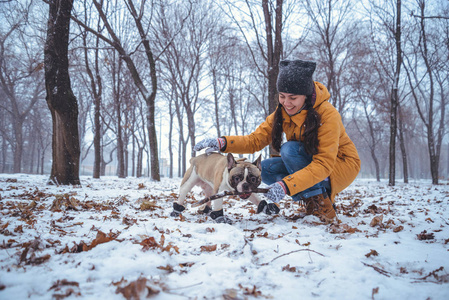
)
(434, 159)
(116, 84)
(395, 97)
(139, 162)
(274, 49)
(60, 99)
(170, 137)
(180, 157)
(376, 164)
(18, 146)
(403, 150)
(96, 86)
(97, 138)
(216, 101)
(191, 128)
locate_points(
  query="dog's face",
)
(244, 177)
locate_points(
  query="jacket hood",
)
(322, 94)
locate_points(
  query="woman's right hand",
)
(212, 144)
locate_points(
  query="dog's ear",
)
(231, 161)
(257, 162)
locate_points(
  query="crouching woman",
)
(318, 159)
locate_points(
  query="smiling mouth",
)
(290, 109)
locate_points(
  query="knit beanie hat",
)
(295, 77)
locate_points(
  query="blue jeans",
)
(293, 158)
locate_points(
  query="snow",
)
(258, 256)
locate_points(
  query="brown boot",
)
(320, 206)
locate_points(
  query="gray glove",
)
(211, 144)
(277, 192)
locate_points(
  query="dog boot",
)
(177, 210)
(218, 217)
(320, 206)
(267, 208)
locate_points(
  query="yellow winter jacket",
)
(337, 157)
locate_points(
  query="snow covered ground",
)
(113, 238)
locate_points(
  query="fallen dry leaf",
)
(137, 289)
(399, 228)
(372, 252)
(167, 268)
(342, 228)
(101, 238)
(251, 291)
(68, 286)
(425, 236)
(64, 201)
(149, 243)
(377, 221)
(289, 269)
(149, 205)
(209, 248)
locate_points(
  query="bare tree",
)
(184, 57)
(20, 75)
(266, 46)
(148, 94)
(60, 98)
(331, 38)
(221, 54)
(369, 113)
(386, 23)
(395, 95)
(425, 56)
(96, 89)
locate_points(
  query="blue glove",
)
(211, 144)
(277, 192)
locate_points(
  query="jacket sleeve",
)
(253, 142)
(323, 162)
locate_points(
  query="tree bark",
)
(395, 97)
(434, 159)
(116, 86)
(60, 99)
(403, 149)
(96, 86)
(274, 49)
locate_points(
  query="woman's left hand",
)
(277, 192)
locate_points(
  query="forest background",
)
(151, 78)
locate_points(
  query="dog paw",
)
(218, 217)
(177, 210)
(175, 214)
(223, 220)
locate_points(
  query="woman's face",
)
(292, 103)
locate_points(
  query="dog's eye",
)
(252, 179)
(237, 179)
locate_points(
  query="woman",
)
(318, 160)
